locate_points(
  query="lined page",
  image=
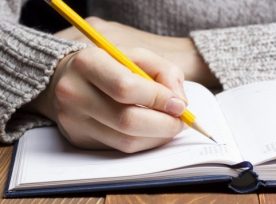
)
(48, 157)
(250, 112)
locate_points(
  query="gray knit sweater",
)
(241, 54)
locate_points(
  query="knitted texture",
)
(180, 17)
(238, 55)
(27, 61)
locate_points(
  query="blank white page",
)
(250, 112)
(48, 157)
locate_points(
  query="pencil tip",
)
(213, 139)
(199, 129)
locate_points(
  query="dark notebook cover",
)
(246, 182)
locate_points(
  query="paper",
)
(250, 112)
(48, 157)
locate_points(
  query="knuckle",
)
(122, 89)
(64, 91)
(98, 54)
(126, 121)
(129, 144)
(79, 60)
(87, 58)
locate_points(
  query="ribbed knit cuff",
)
(27, 61)
(239, 55)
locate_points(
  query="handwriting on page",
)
(214, 150)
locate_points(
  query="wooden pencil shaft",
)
(70, 15)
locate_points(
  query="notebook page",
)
(250, 113)
(48, 157)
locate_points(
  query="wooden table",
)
(191, 195)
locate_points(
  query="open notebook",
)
(242, 120)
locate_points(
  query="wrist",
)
(203, 74)
(43, 104)
(194, 66)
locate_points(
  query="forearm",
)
(187, 57)
(179, 50)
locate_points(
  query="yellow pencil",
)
(70, 15)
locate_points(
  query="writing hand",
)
(93, 99)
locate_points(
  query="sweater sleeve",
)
(239, 55)
(27, 61)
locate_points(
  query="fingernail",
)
(175, 106)
(181, 93)
(184, 98)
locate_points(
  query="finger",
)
(90, 132)
(123, 86)
(77, 138)
(160, 69)
(128, 119)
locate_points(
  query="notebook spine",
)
(14, 151)
(247, 181)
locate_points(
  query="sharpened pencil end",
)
(213, 139)
(200, 129)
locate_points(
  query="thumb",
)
(161, 70)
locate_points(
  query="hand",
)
(180, 51)
(93, 100)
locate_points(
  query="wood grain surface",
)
(5, 156)
(267, 198)
(171, 196)
(180, 198)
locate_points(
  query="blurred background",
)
(37, 14)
